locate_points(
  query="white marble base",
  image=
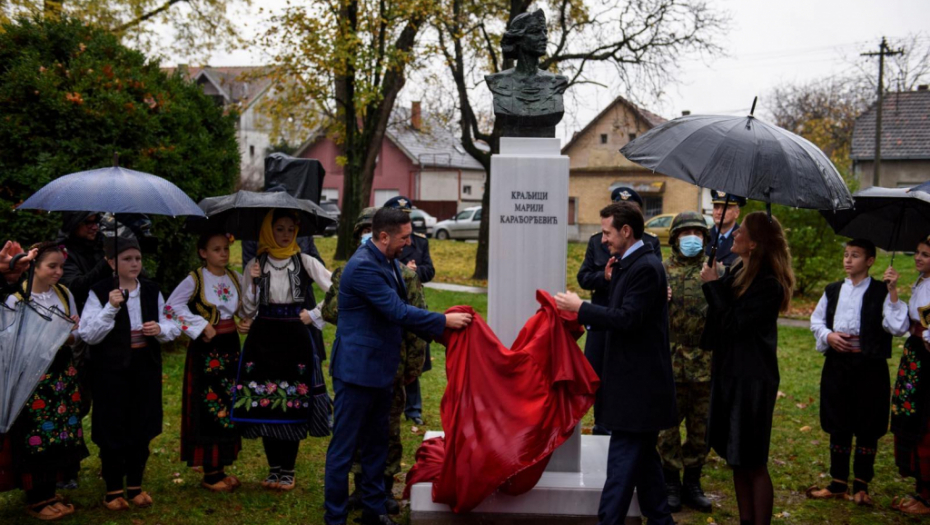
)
(561, 494)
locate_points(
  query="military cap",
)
(720, 197)
(400, 202)
(364, 219)
(685, 220)
(624, 193)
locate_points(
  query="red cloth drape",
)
(505, 410)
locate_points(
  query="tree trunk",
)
(345, 102)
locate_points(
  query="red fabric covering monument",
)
(505, 410)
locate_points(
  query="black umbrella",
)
(895, 219)
(925, 187)
(241, 214)
(742, 156)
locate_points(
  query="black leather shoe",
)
(371, 519)
(692, 494)
(673, 490)
(390, 505)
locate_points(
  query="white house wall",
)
(450, 185)
(254, 140)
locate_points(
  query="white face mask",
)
(365, 237)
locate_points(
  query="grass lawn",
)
(799, 455)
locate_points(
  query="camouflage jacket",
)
(413, 349)
(686, 313)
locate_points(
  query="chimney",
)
(685, 113)
(416, 119)
(922, 87)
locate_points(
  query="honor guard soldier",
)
(416, 257)
(591, 277)
(719, 199)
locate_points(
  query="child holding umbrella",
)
(204, 306)
(280, 392)
(47, 439)
(125, 327)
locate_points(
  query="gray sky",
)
(770, 42)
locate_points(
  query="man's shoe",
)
(371, 519)
(417, 420)
(673, 490)
(599, 430)
(390, 505)
(692, 493)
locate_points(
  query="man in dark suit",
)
(416, 257)
(591, 277)
(724, 256)
(637, 383)
(373, 312)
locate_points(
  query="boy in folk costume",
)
(853, 325)
(46, 441)
(204, 306)
(125, 327)
(280, 392)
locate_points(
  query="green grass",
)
(799, 455)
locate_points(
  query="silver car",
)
(464, 225)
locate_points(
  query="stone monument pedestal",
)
(528, 247)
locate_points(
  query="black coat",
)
(419, 251)
(742, 332)
(637, 385)
(724, 254)
(84, 267)
(591, 273)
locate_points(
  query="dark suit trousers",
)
(633, 463)
(360, 422)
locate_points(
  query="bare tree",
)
(642, 41)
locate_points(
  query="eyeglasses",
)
(90, 223)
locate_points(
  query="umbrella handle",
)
(15, 260)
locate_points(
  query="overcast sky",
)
(770, 42)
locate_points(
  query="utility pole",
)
(883, 51)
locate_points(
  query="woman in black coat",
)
(742, 332)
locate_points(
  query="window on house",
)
(466, 190)
(652, 206)
(632, 136)
(572, 211)
(251, 151)
(603, 138)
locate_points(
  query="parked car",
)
(423, 222)
(331, 207)
(464, 225)
(661, 224)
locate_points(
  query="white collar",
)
(636, 245)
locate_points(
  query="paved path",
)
(446, 287)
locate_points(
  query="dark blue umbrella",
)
(116, 190)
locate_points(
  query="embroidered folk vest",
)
(298, 277)
(198, 303)
(873, 339)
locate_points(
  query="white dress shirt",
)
(217, 290)
(280, 285)
(920, 297)
(99, 319)
(636, 245)
(848, 316)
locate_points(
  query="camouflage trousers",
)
(693, 409)
(395, 447)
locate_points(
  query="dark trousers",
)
(594, 352)
(633, 463)
(360, 421)
(414, 405)
(126, 463)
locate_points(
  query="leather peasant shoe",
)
(219, 486)
(46, 511)
(232, 481)
(824, 493)
(142, 500)
(863, 499)
(117, 504)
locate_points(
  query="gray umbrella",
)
(241, 214)
(895, 219)
(742, 156)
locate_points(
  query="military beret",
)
(624, 193)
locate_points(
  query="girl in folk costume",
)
(910, 397)
(125, 327)
(280, 393)
(204, 306)
(46, 441)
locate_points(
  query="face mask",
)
(365, 237)
(690, 245)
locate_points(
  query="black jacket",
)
(591, 273)
(418, 251)
(84, 267)
(637, 385)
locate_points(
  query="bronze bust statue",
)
(527, 100)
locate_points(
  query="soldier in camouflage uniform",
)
(690, 364)
(413, 355)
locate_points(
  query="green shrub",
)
(71, 96)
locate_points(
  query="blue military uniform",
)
(418, 251)
(725, 244)
(591, 277)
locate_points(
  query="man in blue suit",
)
(373, 313)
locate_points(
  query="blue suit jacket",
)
(373, 313)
